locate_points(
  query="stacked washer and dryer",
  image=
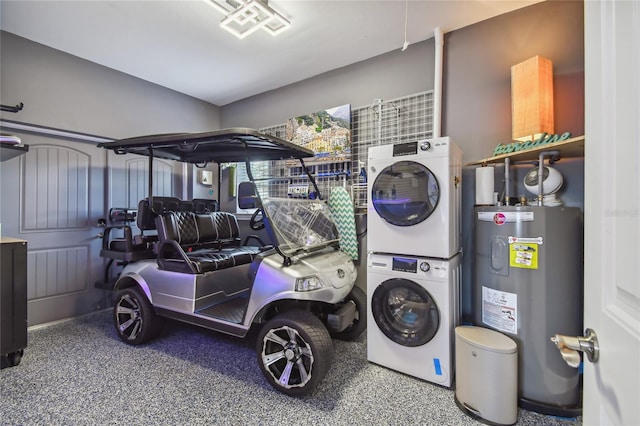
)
(414, 259)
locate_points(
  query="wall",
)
(65, 92)
(206, 191)
(477, 73)
(476, 97)
(388, 76)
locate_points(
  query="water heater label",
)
(500, 310)
(523, 252)
(532, 240)
(500, 218)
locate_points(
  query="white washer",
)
(414, 193)
(412, 315)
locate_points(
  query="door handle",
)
(570, 346)
(102, 223)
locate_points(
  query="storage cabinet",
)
(13, 300)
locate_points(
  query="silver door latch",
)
(569, 347)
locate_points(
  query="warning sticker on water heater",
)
(500, 310)
(523, 252)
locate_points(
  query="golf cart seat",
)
(204, 205)
(196, 243)
(129, 247)
(123, 248)
(147, 213)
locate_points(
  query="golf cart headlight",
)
(308, 283)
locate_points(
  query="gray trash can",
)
(486, 375)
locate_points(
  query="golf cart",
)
(188, 261)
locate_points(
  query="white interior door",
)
(612, 210)
(52, 197)
(129, 179)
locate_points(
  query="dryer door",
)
(405, 193)
(405, 312)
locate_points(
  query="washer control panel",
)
(408, 266)
(404, 264)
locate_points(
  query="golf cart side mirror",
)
(247, 196)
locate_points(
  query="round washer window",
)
(405, 193)
(405, 312)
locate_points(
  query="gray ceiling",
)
(179, 44)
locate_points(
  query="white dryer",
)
(414, 195)
(413, 311)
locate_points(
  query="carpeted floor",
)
(78, 372)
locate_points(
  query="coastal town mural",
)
(327, 133)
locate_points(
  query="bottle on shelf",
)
(362, 178)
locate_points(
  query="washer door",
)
(405, 312)
(405, 193)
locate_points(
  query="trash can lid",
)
(484, 338)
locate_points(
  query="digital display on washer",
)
(404, 264)
(401, 149)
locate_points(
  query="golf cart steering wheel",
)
(257, 223)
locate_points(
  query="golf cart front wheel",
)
(294, 352)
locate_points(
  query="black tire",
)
(134, 318)
(359, 298)
(294, 352)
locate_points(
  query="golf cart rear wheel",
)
(134, 317)
(294, 352)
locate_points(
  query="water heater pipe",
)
(541, 172)
(540, 178)
(437, 83)
(507, 183)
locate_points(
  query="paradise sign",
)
(545, 139)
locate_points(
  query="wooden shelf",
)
(573, 147)
(7, 152)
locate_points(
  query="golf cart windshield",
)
(300, 225)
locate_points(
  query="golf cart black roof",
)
(220, 146)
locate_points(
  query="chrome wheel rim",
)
(128, 317)
(287, 356)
